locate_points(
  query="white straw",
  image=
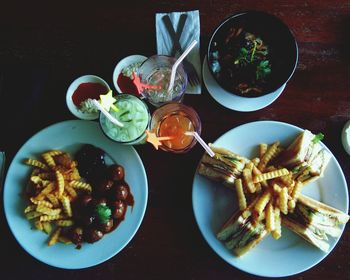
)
(177, 63)
(108, 115)
(201, 141)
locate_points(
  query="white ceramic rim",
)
(126, 61)
(235, 102)
(73, 86)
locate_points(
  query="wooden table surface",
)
(43, 48)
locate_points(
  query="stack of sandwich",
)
(224, 167)
(306, 160)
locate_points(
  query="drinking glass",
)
(156, 71)
(135, 116)
(177, 121)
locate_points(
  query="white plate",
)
(69, 136)
(213, 204)
(235, 102)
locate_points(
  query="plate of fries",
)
(281, 252)
(55, 141)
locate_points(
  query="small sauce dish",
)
(81, 89)
(123, 83)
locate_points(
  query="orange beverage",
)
(174, 120)
(176, 125)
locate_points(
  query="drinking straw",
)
(201, 141)
(177, 63)
(108, 115)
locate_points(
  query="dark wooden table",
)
(45, 47)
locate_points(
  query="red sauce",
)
(126, 85)
(88, 90)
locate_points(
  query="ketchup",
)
(126, 85)
(88, 90)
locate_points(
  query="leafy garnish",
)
(103, 213)
(243, 56)
(263, 69)
(318, 137)
(254, 54)
(230, 158)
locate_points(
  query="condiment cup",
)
(73, 87)
(122, 64)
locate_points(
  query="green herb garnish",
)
(103, 213)
(243, 57)
(318, 137)
(263, 69)
(254, 55)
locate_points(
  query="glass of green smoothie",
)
(134, 114)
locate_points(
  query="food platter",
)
(213, 204)
(69, 136)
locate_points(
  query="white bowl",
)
(124, 63)
(345, 137)
(74, 85)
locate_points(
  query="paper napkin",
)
(185, 29)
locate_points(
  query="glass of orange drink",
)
(178, 122)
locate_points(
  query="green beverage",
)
(133, 114)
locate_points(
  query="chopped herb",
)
(103, 213)
(244, 63)
(243, 57)
(318, 137)
(263, 69)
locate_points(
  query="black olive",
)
(92, 235)
(104, 186)
(99, 201)
(88, 220)
(106, 227)
(85, 200)
(121, 192)
(77, 235)
(116, 172)
(119, 209)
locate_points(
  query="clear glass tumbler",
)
(178, 122)
(134, 114)
(155, 74)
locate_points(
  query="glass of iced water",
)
(155, 74)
